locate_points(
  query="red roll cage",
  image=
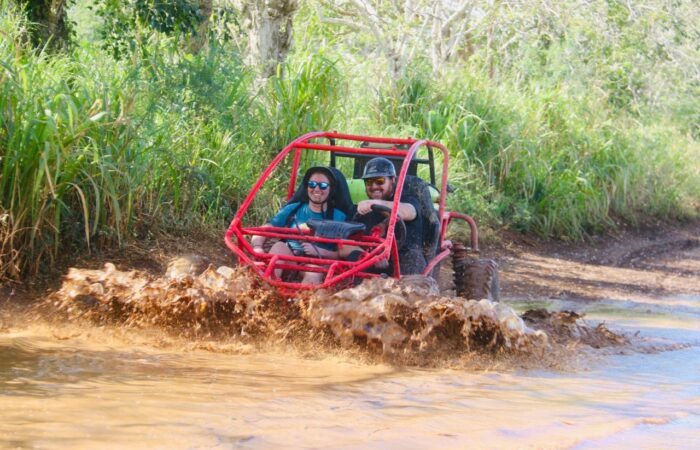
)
(339, 272)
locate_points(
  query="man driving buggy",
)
(380, 185)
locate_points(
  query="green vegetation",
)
(585, 120)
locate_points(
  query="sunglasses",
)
(378, 180)
(322, 185)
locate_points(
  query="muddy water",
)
(103, 387)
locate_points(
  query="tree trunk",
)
(270, 32)
(200, 39)
(50, 24)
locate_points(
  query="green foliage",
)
(125, 24)
(117, 29)
(540, 159)
(302, 97)
(554, 120)
(96, 151)
(67, 159)
(559, 124)
(168, 16)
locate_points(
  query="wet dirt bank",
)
(656, 261)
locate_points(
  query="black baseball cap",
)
(379, 167)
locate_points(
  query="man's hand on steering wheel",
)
(399, 229)
(365, 207)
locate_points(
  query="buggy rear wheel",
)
(476, 279)
(443, 274)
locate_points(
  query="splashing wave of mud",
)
(217, 302)
(565, 326)
(410, 315)
(386, 317)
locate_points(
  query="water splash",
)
(409, 315)
(403, 320)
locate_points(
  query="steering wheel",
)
(334, 229)
(399, 229)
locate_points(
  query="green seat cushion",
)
(434, 194)
(357, 190)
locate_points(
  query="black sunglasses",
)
(321, 185)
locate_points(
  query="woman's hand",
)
(310, 249)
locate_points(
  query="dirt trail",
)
(631, 265)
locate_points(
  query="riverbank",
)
(654, 261)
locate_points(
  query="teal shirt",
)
(302, 215)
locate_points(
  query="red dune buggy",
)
(346, 155)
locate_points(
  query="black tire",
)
(443, 274)
(477, 279)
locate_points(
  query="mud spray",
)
(214, 358)
(403, 321)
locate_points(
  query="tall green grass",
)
(548, 160)
(66, 148)
(95, 152)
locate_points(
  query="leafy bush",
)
(563, 131)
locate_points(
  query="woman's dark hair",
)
(338, 197)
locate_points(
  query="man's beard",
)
(389, 194)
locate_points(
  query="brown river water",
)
(399, 367)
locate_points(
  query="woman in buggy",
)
(322, 194)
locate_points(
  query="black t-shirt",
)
(414, 228)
